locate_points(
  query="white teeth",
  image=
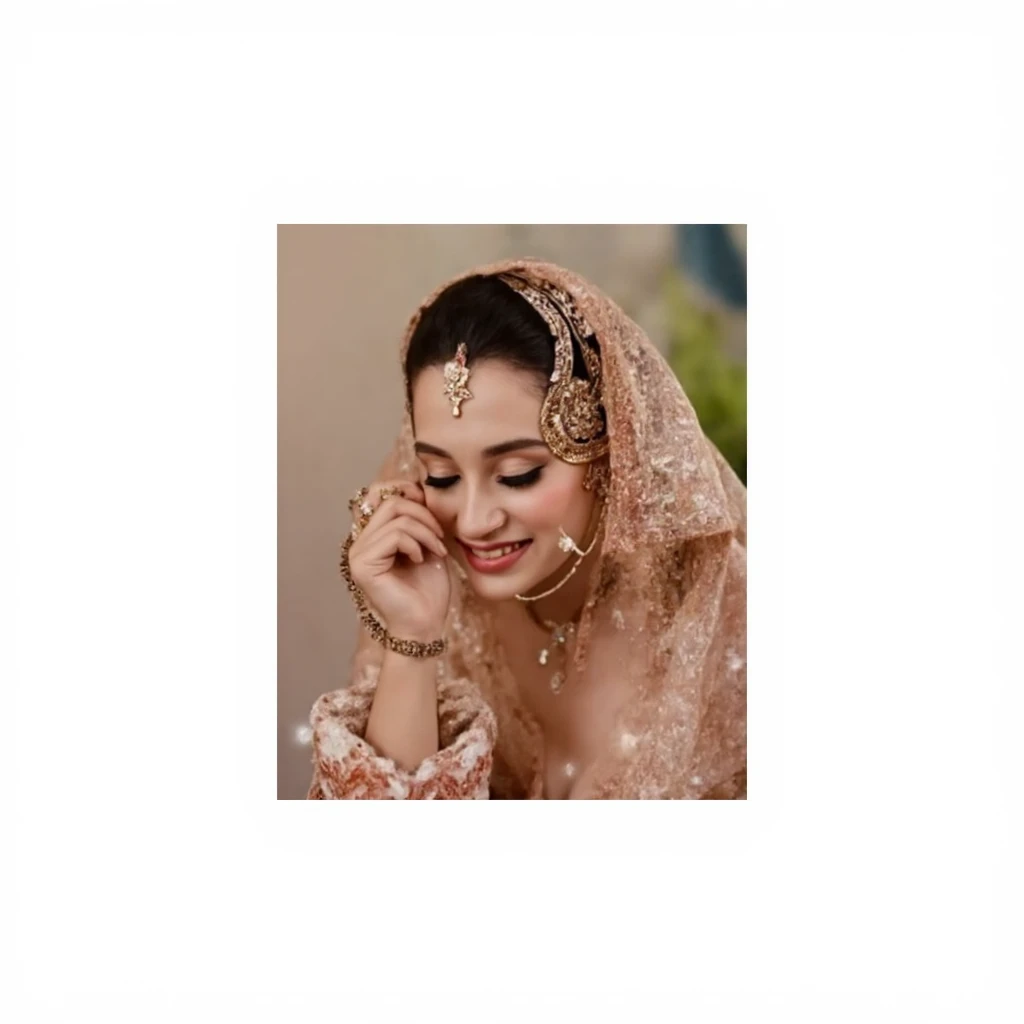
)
(488, 556)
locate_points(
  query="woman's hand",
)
(398, 561)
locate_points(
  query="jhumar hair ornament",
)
(572, 418)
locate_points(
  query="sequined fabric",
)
(665, 611)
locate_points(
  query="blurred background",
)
(345, 294)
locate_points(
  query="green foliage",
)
(715, 384)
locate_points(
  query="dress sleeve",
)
(346, 767)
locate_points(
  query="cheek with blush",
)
(550, 505)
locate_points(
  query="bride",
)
(550, 569)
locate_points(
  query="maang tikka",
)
(456, 376)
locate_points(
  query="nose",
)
(479, 516)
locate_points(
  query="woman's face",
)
(491, 482)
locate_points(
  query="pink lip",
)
(494, 564)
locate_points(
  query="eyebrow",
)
(488, 453)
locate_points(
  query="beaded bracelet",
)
(376, 629)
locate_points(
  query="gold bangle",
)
(376, 629)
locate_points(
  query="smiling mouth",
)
(493, 554)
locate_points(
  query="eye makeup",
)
(520, 480)
(442, 483)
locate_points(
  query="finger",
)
(408, 544)
(371, 500)
(422, 533)
(381, 492)
(413, 490)
(379, 556)
(406, 488)
(404, 536)
(393, 508)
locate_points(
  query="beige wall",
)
(345, 294)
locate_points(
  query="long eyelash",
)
(523, 480)
(440, 482)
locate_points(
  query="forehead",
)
(505, 404)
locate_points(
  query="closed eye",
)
(440, 482)
(523, 480)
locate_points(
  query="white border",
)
(871, 873)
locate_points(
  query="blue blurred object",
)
(708, 255)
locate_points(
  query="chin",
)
(494, 591)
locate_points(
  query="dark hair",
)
(493, 321)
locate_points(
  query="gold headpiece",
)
(572, 420)
(456, 374)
